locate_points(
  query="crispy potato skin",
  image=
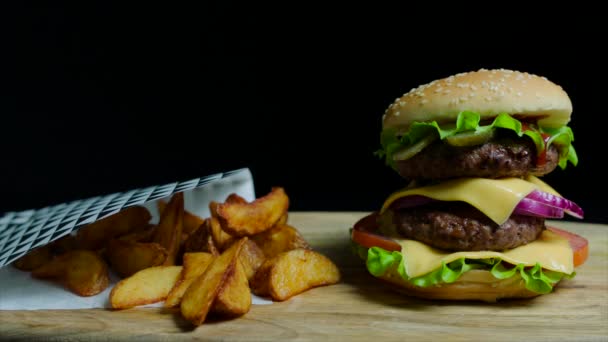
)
(294, 272)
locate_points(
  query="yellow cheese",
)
(542, 186)
(551, 251)
(496, 198)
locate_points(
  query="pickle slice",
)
(410, 151)
(470, 138)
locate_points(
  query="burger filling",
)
(508, 156)
(531, 151)
(457, 226)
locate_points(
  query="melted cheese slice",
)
(551, 251)
(496, 198)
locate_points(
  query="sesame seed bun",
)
(487, 92)
(472, 285)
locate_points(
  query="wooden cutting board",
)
(359, 308)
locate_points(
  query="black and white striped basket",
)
(23, 231)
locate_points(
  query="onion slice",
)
(555, 201)
(537, 203)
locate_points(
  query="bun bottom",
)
(472, 285)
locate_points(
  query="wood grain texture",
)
(357, 309)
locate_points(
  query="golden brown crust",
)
(487, 92)
(472, 285)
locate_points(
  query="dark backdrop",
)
(102, 98)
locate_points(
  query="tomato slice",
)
(370, 240)
(362, 234)
(579, 245)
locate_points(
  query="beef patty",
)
(503, 157)
(457, 226)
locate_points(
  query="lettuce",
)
(469, 121)
(380, 261)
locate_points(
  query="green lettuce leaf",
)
(469, 121)
(380, 261)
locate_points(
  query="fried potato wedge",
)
(169, 231)
(128, 257)
(83, 272)
(64, 244)
(278, 239)
(34, 258)
(200, 296)
(147, 286)
(294, 272)
(234, 297)
(246, 219)
(191, 221)
(95, 235)
(251, 257)
(235, 198)
(144, 235)
(195, 265)
(201, 240)
(283, 219)
(221, 239)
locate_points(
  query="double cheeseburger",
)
(471, 223)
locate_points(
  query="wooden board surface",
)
(357, 309)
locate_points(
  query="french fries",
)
(95, 235)
(293, 272)
(246, 219)
(195, 265)
(34, 258)
(128, 257)
(278, 239)
(83, 272)
(147, 286)
(199, 297)
(169, 231)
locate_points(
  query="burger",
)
(471, 222)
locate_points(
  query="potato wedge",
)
(81, 271)
(200, 296)
(201, 240)
(191, 221)
(294, 272)
(246, 219)
(64, 244)
(278, 239)
(147, 286)
(144, 235)
(34, 258)
(251, 257)
(195, 264)
(169, 231)
(221, 239)
(235, 198)
(128, 257)
(234, 297)
(95, 235)
(283, 219)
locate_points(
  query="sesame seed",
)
(462, 98)
(493, 71)
(402, 103)
(423, 101)
(488, 98)
(447, 91)
(472, 95)
(519, 94)
(473, 87)
(397, 113)
(438, 90)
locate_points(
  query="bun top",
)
(486, 92)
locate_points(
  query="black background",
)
(98, 98)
